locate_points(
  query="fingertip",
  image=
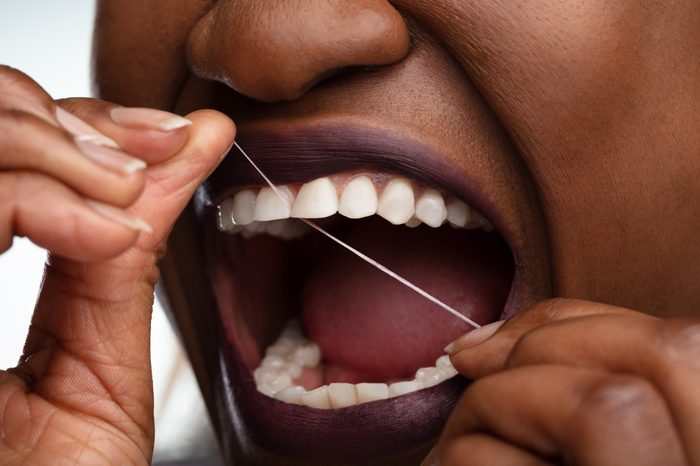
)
(215, 125)
(153, 142)
(473, 338)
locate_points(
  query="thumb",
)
(90, 332)
(171, 183)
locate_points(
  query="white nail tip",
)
(270, 207)
(342, 395)
(97, 139)
(359, 198)
(396, 203)
(368, 392)
(317, 398)
(430, 208)
(316, 199)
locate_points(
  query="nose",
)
(276, 50)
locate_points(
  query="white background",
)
(50, 41)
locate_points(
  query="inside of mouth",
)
(296, 304)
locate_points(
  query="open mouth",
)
(324, 352)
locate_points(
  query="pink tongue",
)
(367, 323)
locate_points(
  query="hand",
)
(575, 382)
(99, 186)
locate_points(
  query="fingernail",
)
(81, 130)
(474, 337)
(119, 216)
(110, 158)
(431, 459)
(98, 139)
(148, 118)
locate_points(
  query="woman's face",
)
(571, 126)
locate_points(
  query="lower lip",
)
(401, 426)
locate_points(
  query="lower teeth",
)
(285, 360)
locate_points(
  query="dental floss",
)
(362, 256)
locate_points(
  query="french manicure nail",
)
(98, 139)
(81, 130)
(474, 337)
(111, 158)
(119, 216)
(148, 118)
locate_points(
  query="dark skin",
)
(581, 120)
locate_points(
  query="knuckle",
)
(10, 75)
(626, 400)
(87, 109)
(680, 340)
(544, 311)
(15, 122)
(14, 83)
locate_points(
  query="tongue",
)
(367, 323)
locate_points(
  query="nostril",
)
(278, 50)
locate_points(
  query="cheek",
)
(584, 91)
(139, 50)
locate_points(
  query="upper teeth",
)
(285, 359)
(400, 202)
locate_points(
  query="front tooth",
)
(292, 395)
(367, 392)
(430, 208)
(270, 207)
(225, 216)
(397, 201)
(359, 198)
(316, 199)
(243, 207)
(458, 213)
(317, 398)
(342, 395)
(401, 388)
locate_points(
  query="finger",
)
(575, 415)
(483, 450)
(211, 138)
(19, 91)
(90, 331)
(666, 352)
(56, 218)
(495, 341)
(151, 135)
(100, 173)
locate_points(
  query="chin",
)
(305, 353)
